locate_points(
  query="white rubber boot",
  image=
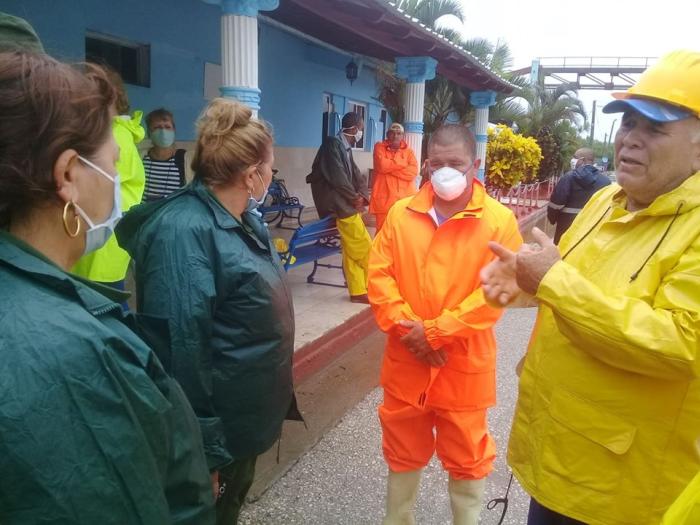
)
(465, 499)
(402, 488)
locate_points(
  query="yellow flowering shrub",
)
(510, 158)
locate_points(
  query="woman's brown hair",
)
(46, 107)
(229, 140)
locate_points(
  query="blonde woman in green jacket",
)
(109, 264)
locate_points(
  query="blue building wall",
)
(295, 74)
(183, 35)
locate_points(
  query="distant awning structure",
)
(378, 29)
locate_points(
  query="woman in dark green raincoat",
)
(204, 260)
(92, 430)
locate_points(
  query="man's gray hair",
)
(449, 134)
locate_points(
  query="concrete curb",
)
(319, 353)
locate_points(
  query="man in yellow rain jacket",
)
(609, 402)
(395, 173)
(439, 364)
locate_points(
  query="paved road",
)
(341, 481)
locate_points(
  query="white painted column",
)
(415, 101)
(416, 70)
(239, 49)
(481, 100)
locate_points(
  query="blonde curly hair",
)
(229, 140)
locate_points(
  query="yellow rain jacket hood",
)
(609, 403)
(109, 263)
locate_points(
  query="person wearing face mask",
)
(205, 261)
(340, 190)
(395, 173)
(167, 167)
(108, 265)
(574, 190)
(89, 420)
(438, 372)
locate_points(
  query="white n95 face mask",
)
(448, 183)
(98, 234)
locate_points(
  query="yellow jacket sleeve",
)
(473, 313)
(383, 290)
(658, 340)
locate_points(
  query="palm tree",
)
(547, 107)
(554, 117)
(431, 12)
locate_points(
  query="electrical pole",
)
(612, 127)
(590, 138)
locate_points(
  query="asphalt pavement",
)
(341, 480)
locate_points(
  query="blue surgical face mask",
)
(253, 203)
(163, 138)
(98, 234)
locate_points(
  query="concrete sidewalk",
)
(342, 479)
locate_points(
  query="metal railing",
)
(525, 199)
(596, 62)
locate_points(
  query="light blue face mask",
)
(98, 234)
(163, 138)
(253, 203)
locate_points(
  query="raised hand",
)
(533, 263)
(498, 278)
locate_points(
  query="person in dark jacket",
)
(92, 429)
(204, 260)
(574, 190)
(339, 189)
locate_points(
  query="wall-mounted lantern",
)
(351, 71)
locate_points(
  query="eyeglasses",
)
(275, 171)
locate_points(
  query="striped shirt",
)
(162, 178)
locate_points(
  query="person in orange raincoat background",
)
(395, 173)
(438, 372)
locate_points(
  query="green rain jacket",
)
(221, 285)
(92, 430)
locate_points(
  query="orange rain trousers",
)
(461, 439)
(394, 178)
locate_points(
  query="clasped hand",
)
(512, 272)
(416, 342)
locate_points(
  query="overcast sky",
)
(549, 28)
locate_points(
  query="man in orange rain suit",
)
(395, 173)
(438, 372)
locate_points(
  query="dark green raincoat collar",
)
(96, 298)
(254, 227)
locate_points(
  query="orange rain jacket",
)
(395, 174)
(418, 271)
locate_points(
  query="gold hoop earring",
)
(71, 204)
